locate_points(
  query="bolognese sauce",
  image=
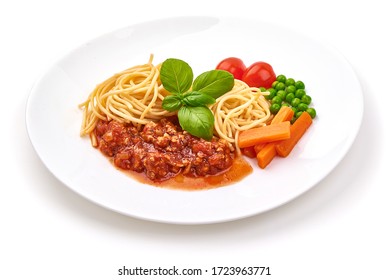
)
(162, 150)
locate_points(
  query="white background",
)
(338, 230)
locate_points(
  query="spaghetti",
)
(133, 96)
(240, 109)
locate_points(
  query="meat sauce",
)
(163, 154)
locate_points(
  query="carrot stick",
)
(249, 152)
(259, 147)
(267, 151)
(266, 155)
(283, 115)
(269, 133)
(297, 130)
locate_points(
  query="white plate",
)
(53, 118)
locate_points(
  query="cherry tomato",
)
(233, 65)
(259, 74)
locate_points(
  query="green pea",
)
(311, 112)
(274, 108)
(262, 89)
(272, 93)
(289, 92)
(281, 78)
(281, 94)
(300, 93)
(298, 114)
(280, 86)
(276, 100)
(295, 102)
(289, 97)
(290, 89)
(289, 82)
(306, 99)
(302, 107)
(300, 85)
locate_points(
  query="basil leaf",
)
(171, 103)
(198, 121)
(196, 98)
(176, 75)
(214, 83)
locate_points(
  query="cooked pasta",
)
(240, 109)
(134, 95)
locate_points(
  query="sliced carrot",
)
(259, 147)
(297, 130)
(249, 152)
(283, 115)
(269, 133)
(266, 155)
(266, 152)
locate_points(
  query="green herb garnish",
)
(193, 114)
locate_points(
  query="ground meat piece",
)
(162, 150)
(131, 158)
(113, 136)
(157, 166)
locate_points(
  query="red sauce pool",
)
(239, 169)
(160, 153)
